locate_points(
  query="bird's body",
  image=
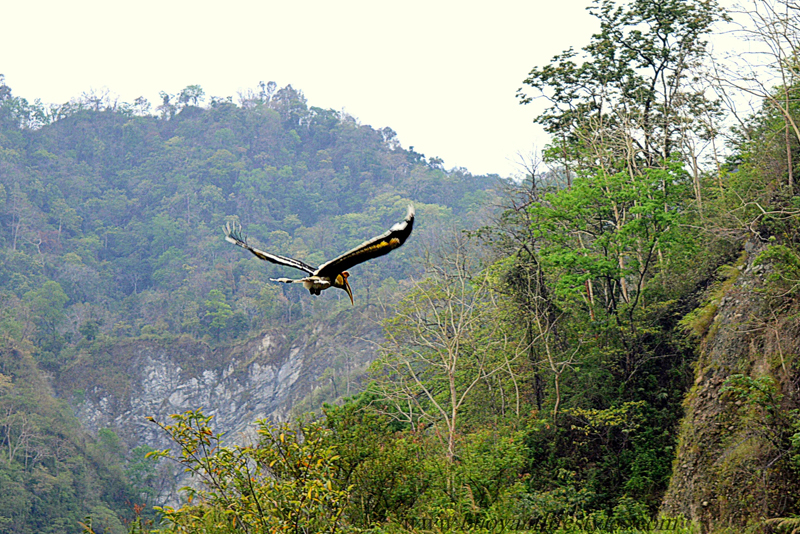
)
(335, 272)
(315, 284)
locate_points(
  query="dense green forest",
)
(542, 339)
(124, 212)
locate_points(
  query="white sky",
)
(442, 74)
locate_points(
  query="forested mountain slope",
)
(613, 342)
(124, 212)
(116, 278)
(52, 473)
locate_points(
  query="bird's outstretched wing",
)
(375, 247)
(233, 234)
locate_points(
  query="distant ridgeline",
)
(111, 217)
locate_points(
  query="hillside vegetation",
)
(112, 225)
(113, 220)
(612, 343)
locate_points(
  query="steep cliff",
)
(734, 460)
(119, 384)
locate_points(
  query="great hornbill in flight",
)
(335, 272)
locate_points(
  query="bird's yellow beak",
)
(349, 291)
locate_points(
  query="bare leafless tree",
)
(770, 70)
(443, 339)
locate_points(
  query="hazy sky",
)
(442, 74)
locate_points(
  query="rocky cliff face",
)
(733, 464)
(117, 385)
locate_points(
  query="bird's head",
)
(342, 283)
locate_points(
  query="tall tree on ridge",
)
(622, 102)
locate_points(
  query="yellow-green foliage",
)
(698, 322)
(624, 416)
(784, 276)
(285, 483)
